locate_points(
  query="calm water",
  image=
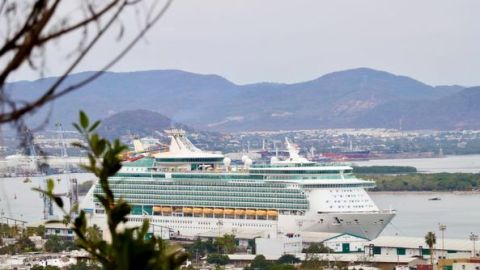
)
(416, 214)
(18, 200)
(466, 163)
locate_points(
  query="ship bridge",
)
(184, 155)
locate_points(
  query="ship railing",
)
(231, 169)
(381, 211)
(313, 164)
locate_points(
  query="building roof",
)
(310, 237)
(317, 237)
(415, 242)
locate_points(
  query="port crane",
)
(72, 193)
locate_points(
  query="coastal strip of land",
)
(406, 178)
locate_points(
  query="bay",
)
(417, 215)
(19, 201)
(451, 164)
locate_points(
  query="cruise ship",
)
(192, 193)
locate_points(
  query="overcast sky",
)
(246, 41)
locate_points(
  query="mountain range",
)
(356, 98)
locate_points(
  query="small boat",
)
(434, 199)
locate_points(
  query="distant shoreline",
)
(420, 192)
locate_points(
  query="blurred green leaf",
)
(83, 120)
(58, 201)
(50, 185)
(94, 126)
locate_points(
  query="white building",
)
(338, 242)
(285, 244)
(416, 246)
(466, 266)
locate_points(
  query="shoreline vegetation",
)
(405, 178)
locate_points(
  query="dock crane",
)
(72, 193)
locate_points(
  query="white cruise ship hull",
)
(363, 224)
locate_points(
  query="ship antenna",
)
(276, 149)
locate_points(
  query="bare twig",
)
(32, 37)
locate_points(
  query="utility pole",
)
(474, 238)
(442, 228)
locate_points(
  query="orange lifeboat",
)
(228, 211)
(239, 212)
(187, 210)
(261, 212)
(157, 208)
(166, 209)
(250, 212)
(218, 211)
(272, 213)
(207, 211)
(197, 210)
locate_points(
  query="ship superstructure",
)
(193, 193)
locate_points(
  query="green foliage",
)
(384, 169)
(313, 264)
(57, 244)
(9, 231)
(39, 231)
(129, 247)
(288, 259)
(93, 233)
(259, 263)
(48, 267)
(427, 182)
(281, 267)
(24, 244)
(430, 240)
(201, 248)
(218, 259)
(226, 243)
(317, 248)
(81, 265)
(283, 263)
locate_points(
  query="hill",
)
(359, 98)
(140, 123)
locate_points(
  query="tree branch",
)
(51, 93)
(74, 27)
(29, 42)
